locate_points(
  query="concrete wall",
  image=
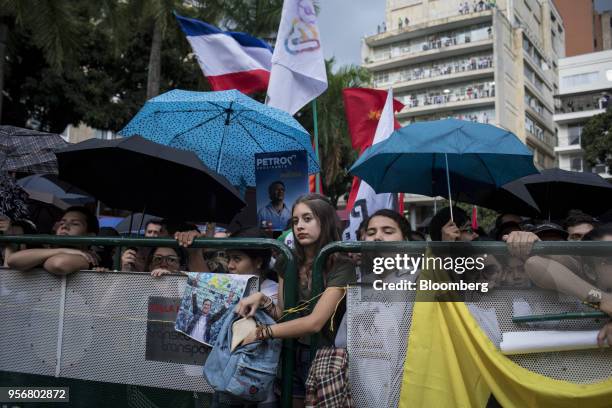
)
(606, 30)
(599, 62)
(508, 76)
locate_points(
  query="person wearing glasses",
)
(164, 261)
(76, 221)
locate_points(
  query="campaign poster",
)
(281, 177)
(207, 298)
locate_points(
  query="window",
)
(576, 163)
(599, 168)
(578, 79)
(573, 135)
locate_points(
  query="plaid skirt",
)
(327, 385)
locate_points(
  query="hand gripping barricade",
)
(249, 371)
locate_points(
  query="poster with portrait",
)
(281, 177)
(207, 298)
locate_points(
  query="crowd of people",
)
(314, 224)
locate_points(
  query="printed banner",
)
(281, 177)
(163, 342)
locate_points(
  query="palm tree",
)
(52, 24)
(335, 151)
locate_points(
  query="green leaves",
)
(596, 139)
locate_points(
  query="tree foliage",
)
(596, 139)
(80, 61)
(336, 154)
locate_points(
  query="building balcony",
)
(437, 81)
(543, 118)
(541, 93)
(575, 148)
(578, 116)
(547, 76)
(545, 142)
(390, 60)
(430, 25)
(409, 112)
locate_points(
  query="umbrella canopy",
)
(13, 199)
(225, 129)
(558, 191)
(29, 151)
(47, 188)
(425, 157)
(137, 221)
(134, 174)
(512, 197)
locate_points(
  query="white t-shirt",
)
(200, 328)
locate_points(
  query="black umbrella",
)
(557, 191)
(29, 151)
(510, 198)
(136, 174)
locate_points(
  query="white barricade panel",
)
(105, 331)
(377, 343)
(29, 321)
(112, 327)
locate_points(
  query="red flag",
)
(382, 127)
(363, 107)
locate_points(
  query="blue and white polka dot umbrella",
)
(225, 129)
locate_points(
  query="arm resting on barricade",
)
(64, 264)
(30, 258)
(551, 274)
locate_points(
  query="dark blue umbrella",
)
(450, 157)
(47, 188)
(225, 129)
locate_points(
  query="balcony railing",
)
(434, 70)
(434, 42)
(583, 103)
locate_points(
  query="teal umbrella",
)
(452, 158)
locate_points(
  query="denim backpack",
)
(249, 371)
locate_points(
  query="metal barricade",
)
(378, 329)
(95, 326)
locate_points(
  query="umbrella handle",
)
(450, 197)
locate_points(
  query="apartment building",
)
(585, 89)
(488, 61)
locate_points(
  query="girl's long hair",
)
(325, 213)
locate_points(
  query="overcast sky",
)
(344, 22)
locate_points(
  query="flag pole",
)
(316, 145)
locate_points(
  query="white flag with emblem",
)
(298, 69)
